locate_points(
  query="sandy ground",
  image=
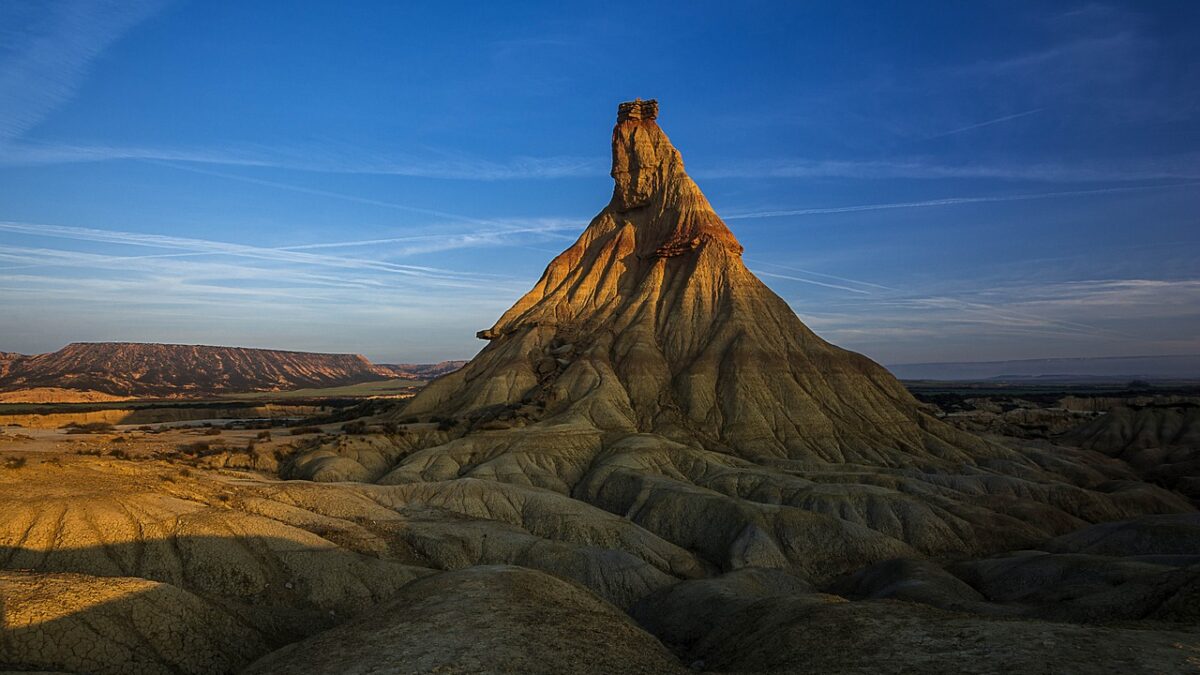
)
(137, 441)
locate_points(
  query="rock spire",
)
(651, 322)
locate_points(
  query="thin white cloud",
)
(824, 275)
(1006, 314)
(810, 281)
(431, 274)
(988, 123)
(428, 243)
(1177, 168)
(953, 201)
(1089, 317)
(49, 57)
(330, 158)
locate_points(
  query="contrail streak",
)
(951, 201)
(810, 281)
(225, 248)
(551, 230)
(325, 193)
(822, 274)
(988, 123)
(940, 302)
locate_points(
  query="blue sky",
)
(920, 181)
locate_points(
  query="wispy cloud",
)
(428, 274)
(53, 46)
(48, 58)
(970, 310)
(324, 158)
(1106, 55)
(1085, 317)
(988, 123)
(1125, 299)
(953, 201)
(183, 289)
(291, 187)
(1169, 168)
(430, 243)
(810, 281)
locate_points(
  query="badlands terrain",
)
(651, 467)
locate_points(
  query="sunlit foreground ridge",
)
(652, 466)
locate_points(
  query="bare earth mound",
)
(519, 620)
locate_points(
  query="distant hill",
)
(1120, 368)
(420, 371)
(166, 370)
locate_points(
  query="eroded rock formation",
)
(651, 322)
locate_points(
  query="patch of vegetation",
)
(389, 387)
(89, 428)
(15, 462)
(368, 408)
(355, 427)
(212, 431)
(202, 448)
(263, 436)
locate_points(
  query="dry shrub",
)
(89, 428)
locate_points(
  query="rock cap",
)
(637, 110)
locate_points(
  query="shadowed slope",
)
(505, 610)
